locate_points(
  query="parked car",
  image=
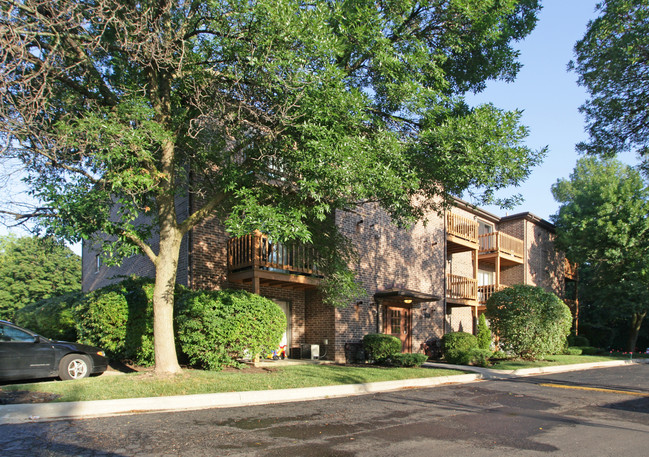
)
(27, 355)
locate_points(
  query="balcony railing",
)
(258, 252)
(460, 287)
(501, 243)
(486, 291)
(462, 227)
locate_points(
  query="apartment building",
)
(420, 282)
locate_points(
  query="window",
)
(13, 334)
(484, 228)
(485, 278)
(97, 263)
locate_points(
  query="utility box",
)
(310, 351)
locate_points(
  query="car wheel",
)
(74, 366)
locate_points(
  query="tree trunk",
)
(636, 323)
(166, 359)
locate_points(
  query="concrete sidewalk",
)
(13, 414)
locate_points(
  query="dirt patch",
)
(12, 397)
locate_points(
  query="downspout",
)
(444, 276)
(525, 257)
(190, 233)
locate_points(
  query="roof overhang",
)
(404, 296)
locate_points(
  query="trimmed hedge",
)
(119, 319)
(52, 317)
(459, 341)
(380, 347)
(461, 348)
(578, 340)
(529, 321)
(407, 360)
(215, 328)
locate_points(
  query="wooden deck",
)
(258, 260)
(498, 245)
(461, 233)
(461, 290)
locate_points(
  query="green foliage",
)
(32, 269)
(479, 357)
(52, 317)
(459, 340)
(407, 360)
(589, 350)
(281, 114)
(578, 340)
(529, 321)
(461, 348)
(484, 333)
(602, 225)
(612, 65)
(118, 319)
(380, 347)
(215, 328)
(572, 351)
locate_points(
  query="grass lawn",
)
(556, 360)
(134, 385)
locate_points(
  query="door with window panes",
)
(398, 323)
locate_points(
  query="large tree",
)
(268, 114)
(603, 225)
(32, 269)
(612, 60)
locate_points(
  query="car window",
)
(13, 334)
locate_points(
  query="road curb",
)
(39, 412)
(16, 414)
(488, 373)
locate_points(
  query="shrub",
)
(529, 321)
(457, 346)
(119, 319)
(215, 328)
(599, 335)
(459, 340)
(52, 317)
(380, 347)
(407, 360)
(578, 340)
(479, 357)
(484, 333)
(589, 350)
(572, 351)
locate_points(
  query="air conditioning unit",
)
(310, 351)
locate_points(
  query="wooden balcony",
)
(461, 290)
(502, 247)
(484, 292)
(256, 259)
(461, 233)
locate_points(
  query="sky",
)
(550, 98)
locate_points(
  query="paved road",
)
(601, 412)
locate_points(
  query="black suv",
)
(27, 355)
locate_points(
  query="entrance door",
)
(398, 324)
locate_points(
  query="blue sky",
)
(549, 96)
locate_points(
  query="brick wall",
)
(460, 319)
(392, 257)
(545, 264)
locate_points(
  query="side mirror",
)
(37, 339)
